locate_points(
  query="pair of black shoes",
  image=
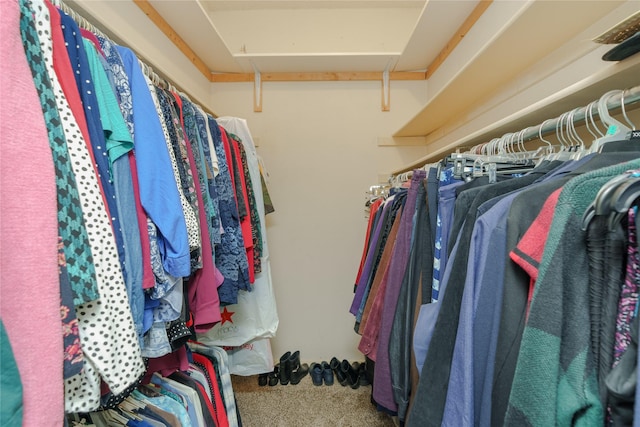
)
(354, 375)
(321, 372)
(289, 370)
(270, 378)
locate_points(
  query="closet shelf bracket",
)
(386, 106)
(257, 91)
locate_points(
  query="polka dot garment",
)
(106, 329)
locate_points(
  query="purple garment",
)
(368, 265)
(382, 389)
(629, 293)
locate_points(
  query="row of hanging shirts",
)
(494, 297)
(159, 213)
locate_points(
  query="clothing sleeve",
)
(158, 188)
(460, 404)
(117, 134)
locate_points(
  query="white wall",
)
(319, 144)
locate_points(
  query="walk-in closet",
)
(319, 213)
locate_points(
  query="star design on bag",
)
(226, 316)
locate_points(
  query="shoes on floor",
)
(273, 376)
(321, 373)
(285, 368)
(262, 379)
(298, 371)
(270, 378)
(290, 370)
(351, 373)
(335, 367)
(363, 378)
(316, 371)
(327, 373)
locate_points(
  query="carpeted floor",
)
(306, 405)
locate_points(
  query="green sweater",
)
(10, 384)
(555, 382)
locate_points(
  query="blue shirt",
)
(446, 204)
(230, 256)
(158, 188)
(471, 366)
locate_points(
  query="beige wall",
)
(319, 144)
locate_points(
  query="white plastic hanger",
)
(616, 130)
(563, 154)
(624, 111)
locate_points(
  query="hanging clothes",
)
(472, 364)
(138, 232)
(29, 228)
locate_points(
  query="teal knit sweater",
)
(555, 381)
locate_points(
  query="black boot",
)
(285, 368)
(298, 371)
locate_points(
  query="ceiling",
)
(306, 36)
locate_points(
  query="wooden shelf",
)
(503, 52)
(611, 76)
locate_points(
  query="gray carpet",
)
(306, 405)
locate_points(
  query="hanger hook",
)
(624, 112)
(587, 110)
(558, 131)
(516, 146)
(540, 133)
(603, 109)
(568, 125)
(565, 140)
(566, 130)
(593, 122)
(512, 147)
(573, 128)
(507, 142)
(521, 140)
